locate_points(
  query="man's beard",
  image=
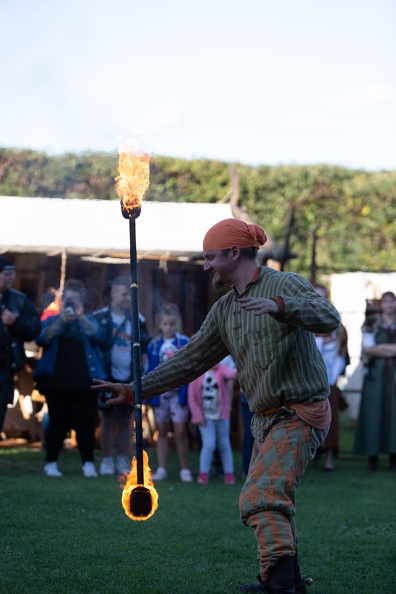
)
(218, 286)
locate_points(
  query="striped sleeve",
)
(205, 349)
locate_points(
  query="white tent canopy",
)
(97, 227)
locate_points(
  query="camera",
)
(69, 307)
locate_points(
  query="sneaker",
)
(160, 474)
(107, 467)
(51, 469)
(229, 478)
(89, 470)
(186, 476)
(203, 478)
(123, 465)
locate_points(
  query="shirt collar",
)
(254, 280)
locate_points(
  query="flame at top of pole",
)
(132, 181)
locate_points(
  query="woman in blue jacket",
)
(71, 358)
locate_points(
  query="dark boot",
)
(299, 584)
(300, 581)
(281, 580)
(281, 576)
(260, 587)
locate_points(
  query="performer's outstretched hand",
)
(123, 393)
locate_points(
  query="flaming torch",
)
(139, 498)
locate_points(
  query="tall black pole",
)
(136, 355)
(287, 238)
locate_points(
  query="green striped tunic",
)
(277, 359)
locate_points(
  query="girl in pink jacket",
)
(209, 400)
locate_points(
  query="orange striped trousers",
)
(267, 499)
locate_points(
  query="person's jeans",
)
(212, 434)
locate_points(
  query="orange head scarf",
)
(231, 232)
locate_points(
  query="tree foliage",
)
(343, 219)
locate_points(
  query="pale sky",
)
(253, 81)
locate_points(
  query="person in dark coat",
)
(19, 323)
(71, 358)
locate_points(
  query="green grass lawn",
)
(71, 535)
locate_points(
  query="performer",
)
(267, 322)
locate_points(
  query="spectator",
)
(210, 405)
(116, 423)
(19, 323)
(376, 426)
(71, 358)
(171, 405)
(53, 307)
(334, 350)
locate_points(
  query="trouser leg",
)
(224, 445)
(107, 432)
(124, 436)
(6, 394)
(3, 412)
(59, 423)
(84, 418)
(267, 500)
(208, 438)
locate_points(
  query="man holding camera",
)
(19, 322)
(71, 359)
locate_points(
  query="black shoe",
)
(284, 578)
(300, 581)
(281, 576)
(260, 587)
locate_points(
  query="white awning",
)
(97, 228)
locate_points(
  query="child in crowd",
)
(209, 399)
(170, 406)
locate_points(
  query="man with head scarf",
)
(267, 323)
